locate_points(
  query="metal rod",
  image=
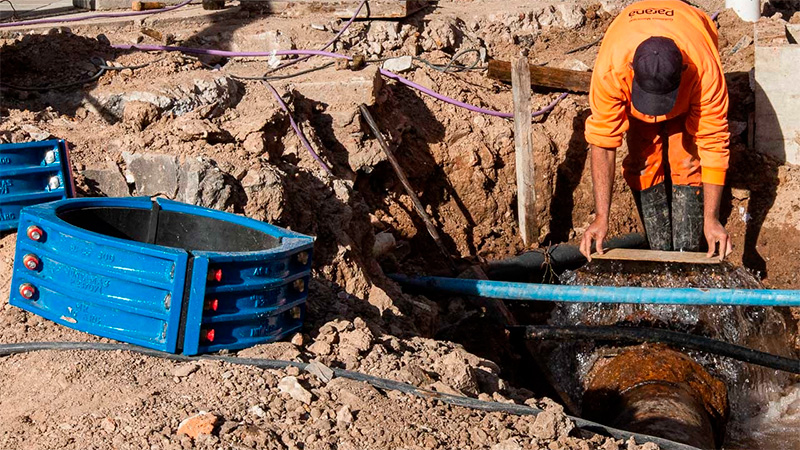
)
(407, 185)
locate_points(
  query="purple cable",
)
(95, 16)
(297, 129)
(715, 15)
(386, 73)
(325, 47)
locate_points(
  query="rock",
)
(202, 423)
(266, 193)
(139, 114)
(185, 370)
(441, 34)
(202, 183)
(445, 389)
(299, 339)
(458, 373)
(574, 64)
(153, 174)
(572, 15)
(384, 243)
(321, 371)
(265, 41)
(291, 386)
(108, 425)
(360, 340)
(509, 444)
(343, 91)
(550, 425)
(254, 144)
(35, 133)
(353, 394)
(177, 97)
(257, 411)
(321, 348)
(188, 128)
(344, 416)
(740, 194)
(107, 179)
(399, 65)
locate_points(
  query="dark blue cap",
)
(657, 69)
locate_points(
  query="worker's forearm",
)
(603, 168)
(712, 197)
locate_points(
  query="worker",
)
(658, 78)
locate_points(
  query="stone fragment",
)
(299, 339)
(139, 114)
(108, 425)
(508, 444)
(257, 411)
(321, 348)
(107, 179)
(185, 370)
(344, 416)
(399, 65)
(291, 386)
(266, 193)
(572, 15)
(384, 243)
(153, 174)
(254, 144)
(202, 183)
(321, 371)
(202, 423)
(574, 64)
(360, 340)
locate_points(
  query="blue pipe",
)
(602, 294)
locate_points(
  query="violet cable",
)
(386, 73)
(95, 16)
(331, 42)
(297, 129)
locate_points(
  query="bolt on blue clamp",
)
(161, 274)
(32, 173)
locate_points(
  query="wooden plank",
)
(547, 77)
(633, 254)
(526, 193)
(382, 9)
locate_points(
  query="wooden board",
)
(523, 148)
(382, 9)
(632, 254)
(548, 77)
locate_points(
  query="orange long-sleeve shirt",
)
(703, 95)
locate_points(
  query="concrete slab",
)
(31, 9)
(777, 93)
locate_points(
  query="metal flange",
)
(32, 173)
(161, 274)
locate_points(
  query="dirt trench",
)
(219, 141)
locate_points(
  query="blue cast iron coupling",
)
(161, 274)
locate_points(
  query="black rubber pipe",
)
(381, 383)
(561, 257)
(629, 334)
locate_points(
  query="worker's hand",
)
(597, 231)
(716, 234)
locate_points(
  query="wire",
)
(100, 63)
(380, 383)
(386, 73)
(297, 129)
(656, 335)
(95, 16)
(13, 10)
(283, 77)
(586, 46)
(326, 46)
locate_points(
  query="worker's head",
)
(657, 69)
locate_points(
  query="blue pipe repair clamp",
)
(32, 173)
(161, 274)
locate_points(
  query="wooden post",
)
(526, 195)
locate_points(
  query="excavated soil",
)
(219, 141)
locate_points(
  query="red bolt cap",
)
(208, 335)
(30, 261)
(35, 233)
(215, 274)
(27, 290)
(212, 304)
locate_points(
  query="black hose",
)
(560, 257)
(615, 333)
(381, 383)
